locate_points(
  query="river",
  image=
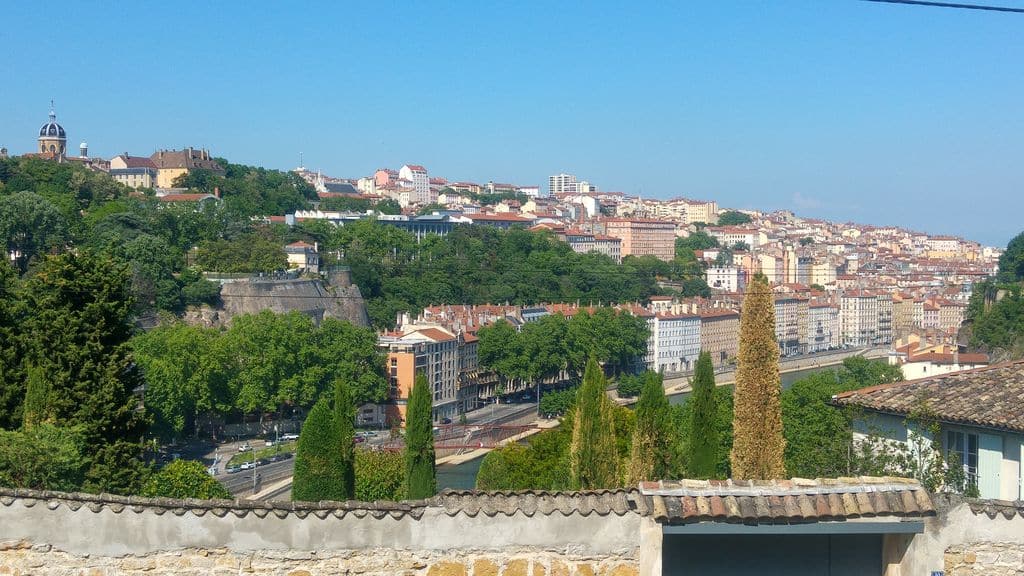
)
(463, 476)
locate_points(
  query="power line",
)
(951, 5)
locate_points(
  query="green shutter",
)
(990, 464)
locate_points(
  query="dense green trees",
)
(12, 383)
(263, 362)
(594, 459)
(553, 343)
(758, 442)
(252, 191)
(419, 441)
(77, 332)
(44, 457)
(703, 456)
(30, 226)
(344, 419)
(184, 479)
(651, 450)
(380, 475)
(733, 218)
(319, 463)
(995, 315)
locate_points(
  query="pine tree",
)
(758, 444)
(12, 376)
(703, 433)
(593, 454)
(651, 449)
(318, 459)
(344, 418)
(77, 331)
(419, 442)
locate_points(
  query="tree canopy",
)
(733, 218)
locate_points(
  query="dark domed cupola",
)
(52, 138)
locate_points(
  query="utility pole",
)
(255, 464)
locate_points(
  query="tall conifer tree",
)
(419, 442)
(703, 433)
(344, 419)
(593, 454)
(318, 458)
(651, 449)
(758, 444)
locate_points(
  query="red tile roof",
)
(185, 197)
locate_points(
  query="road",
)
(240, 483)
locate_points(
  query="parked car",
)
(247, 466)
(446, 420)
(289, 437)
(233, 469)
(359, 439)
(245, 447)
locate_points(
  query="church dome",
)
(51, 129)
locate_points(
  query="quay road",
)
(275, 477)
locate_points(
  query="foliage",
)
(651, 456)
(629, 386)
(683, 417)
(252, 191)
(818, 434)
(703, 456)
(1011, 261)
(388, 206)
(554, 343)
(479, 265)
(758, 443)
(344, 419)
(346, 204)
(319, 464)
(559, 402)
(806, 240)
(12, 379)
(593, 453)
(184, 479)
(733, 218)
(44, 457)
(699, 240)
(430, 209)
(380, 475)
(78, 324)
(741, 247)
(263, 362)
(998, 324)
(542, 464)
(419, 442)
(29, 226)
(250, 253)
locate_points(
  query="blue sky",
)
(840, 109)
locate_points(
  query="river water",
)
(463, 476)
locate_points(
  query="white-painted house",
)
(981, 417)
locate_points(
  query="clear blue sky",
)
(840, 109)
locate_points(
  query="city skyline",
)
(854, 111)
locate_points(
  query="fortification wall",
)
(309, 296)
(51, 533)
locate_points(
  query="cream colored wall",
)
(165, 176)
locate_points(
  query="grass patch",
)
(265, 452)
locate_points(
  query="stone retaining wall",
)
(988, 558)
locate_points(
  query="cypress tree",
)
(593, 453)
(651, 449)
(344, 419)
(419, 442)
(318, 459)
(703, 433)
(758, 444)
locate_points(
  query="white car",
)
(288, 437)
(244, 447)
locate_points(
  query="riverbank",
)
(681, 384)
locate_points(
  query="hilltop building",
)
(170, 164)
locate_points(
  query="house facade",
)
(980, 415)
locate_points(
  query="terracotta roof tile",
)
(784, 501)
(992, 396)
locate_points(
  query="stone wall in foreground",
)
(466, 534)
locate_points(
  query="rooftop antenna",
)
(301, 165)
(53, 113)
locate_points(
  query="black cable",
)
(951, 5)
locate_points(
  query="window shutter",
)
(990, 463)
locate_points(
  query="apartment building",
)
(725, 278)
(719, 335)
(420, 180)
(698, 211)
(885, 313)
(134, 171)
(170, 164)
(640, 237)
(562, 184)
(430, 350)
(730, 235)
(822, 328)
(858, 317)
(676, 342)
(791, 325)
(584, 242)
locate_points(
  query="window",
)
(964, 447)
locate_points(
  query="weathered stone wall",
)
(988, 558)
(969, 537)
(311, 297)
(469, 535)
(20, 557)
